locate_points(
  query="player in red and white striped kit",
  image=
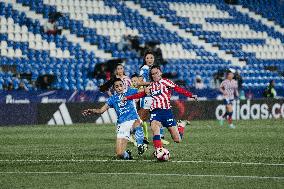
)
(160, 90)
(229, 89)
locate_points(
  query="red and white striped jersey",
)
(161, 92)
(126, 81)
(230, 88)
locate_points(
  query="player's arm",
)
(134, 96)
(143, 83)
(95, 111)
(179, 89)
(222, 89)
(184, 92)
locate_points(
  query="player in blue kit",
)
(127, 119)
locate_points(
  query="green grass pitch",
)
(81, 156)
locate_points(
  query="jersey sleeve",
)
(169, 83)
(132, 91)
(110, 102)
(182, 91)
(178, 89)
(136, 96)
(127, 81)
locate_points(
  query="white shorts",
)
(123, 129)
(146, 102)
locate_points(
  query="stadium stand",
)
(196, 37)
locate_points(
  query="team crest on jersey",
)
(120, 103)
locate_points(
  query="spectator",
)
(199, 83)
(51, 27)
(218, 77)
(135, 44)
(10, 86)
(33, 85)
(101, 72)
(124, 43)
(22, 86)
(270, 91)
(44, 82)
(239, 79)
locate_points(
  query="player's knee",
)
(155, 129)
(137, 123)
(119, 152)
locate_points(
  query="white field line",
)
(144, 174)
(110, 160)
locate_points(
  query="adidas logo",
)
(61, 116)
(108, 116)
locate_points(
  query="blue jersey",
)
(144, 72)
(125, 111)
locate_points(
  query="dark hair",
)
(145, 54)
(153, 67)
(115, 80)
(116, 68)
(107, 85)
(228, 71)
(135, 75)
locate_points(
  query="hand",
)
(123, 99)
(109, 93)
(147, 90)
(88, 112)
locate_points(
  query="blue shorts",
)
(228, 101)
(165, 116)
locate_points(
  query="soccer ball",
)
(162, 154)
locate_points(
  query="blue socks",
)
(126, 155)
(162, 132)
(139, 135)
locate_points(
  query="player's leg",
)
(145, 104)
(225, 115)
(230, 114)
(155, 127)
(144, 116)
(145, 130)
(175, 134)
(181, 124)
(170, 123)
(121, 152)
(123, 135)
(139, 136)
